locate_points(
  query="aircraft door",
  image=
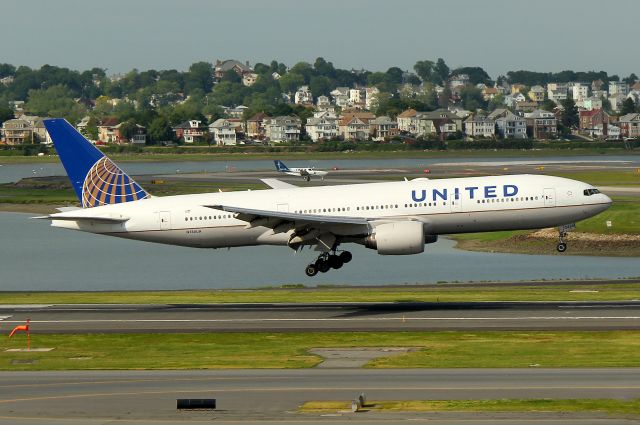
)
(549, 197)
(165, 220)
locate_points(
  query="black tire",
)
(345, 256)
(562, 247)
(311, 270)
(335, 261)
(307, 178)
(322, 266)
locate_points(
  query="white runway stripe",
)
(4, 317)
(373, 319)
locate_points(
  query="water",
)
(14, 172)
(35, 256)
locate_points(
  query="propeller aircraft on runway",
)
(394, 218)
(305, 173)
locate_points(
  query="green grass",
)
(433, 293)
(609, 406)
(624, 215)
(604, 178)
(290, 350)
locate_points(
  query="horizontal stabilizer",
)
(278, 184)
(99, 219)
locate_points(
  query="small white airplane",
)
(305, 173)
(394, 218)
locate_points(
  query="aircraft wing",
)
(278, 184)
(271, 219)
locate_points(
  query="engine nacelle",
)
(399, 238)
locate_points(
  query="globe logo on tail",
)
(106, 184)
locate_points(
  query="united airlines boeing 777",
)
(394, 218)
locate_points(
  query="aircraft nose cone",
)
(607, 200)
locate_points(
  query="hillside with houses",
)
(230, 103)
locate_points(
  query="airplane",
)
(305, 173)
(393, 218)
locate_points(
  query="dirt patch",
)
(357, 356)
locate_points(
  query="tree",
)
(320, 85)
(128, 129)
(160, 129)
(199, 76)
(570, 116)
(442, 71)
(476, 74)
(6, 113)
(290, 82)
(55, 101)
(628, 106)
(324, 68)
(425, 70)
(471, 98)
(632, 78)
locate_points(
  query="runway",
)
(398, 316)
(273, 396)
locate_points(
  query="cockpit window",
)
(589, 192)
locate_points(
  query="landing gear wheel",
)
(322, 265)
(311, 270)
(335, 261)
(345, 256)
(562, 247)
(307, 178)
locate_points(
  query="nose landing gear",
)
(327, 261)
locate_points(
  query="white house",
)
(479, 125)
(303, 96)
(223, 132)
(323, 125)
(579, 92)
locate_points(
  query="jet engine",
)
(399, 238)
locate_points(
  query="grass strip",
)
(543, 291)
(451, 349)
(609, 406)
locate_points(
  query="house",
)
(5, 81)
(440, 121)
(190, 131)
(107, 130)
(237, 112)
(249, 78)
(222, 67)
(17, 132)
(526, 106)
(357, 98)
(517, 88)
(613, 132)
(283, 128)
(594, 122)
(303, 96)
(509, 125)
(557, 92)
(488, 93)
(579, 92)
(371, 97)
(541, 124)
(618, 87)
(322, 126)
(323, 102)
(629, 126)
(340, 96)
(353, 128)
(223, 132)
(479, 125)
(591, 103)
(536, 94)
(255, 125)
(139, 136)
(383, 128)
(407, 121)
(616, 101)
(459, 80)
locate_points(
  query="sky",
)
(497, 35)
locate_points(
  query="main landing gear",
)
(327, 261)
(562, 245)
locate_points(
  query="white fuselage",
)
(305, 172)
(446, 206)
